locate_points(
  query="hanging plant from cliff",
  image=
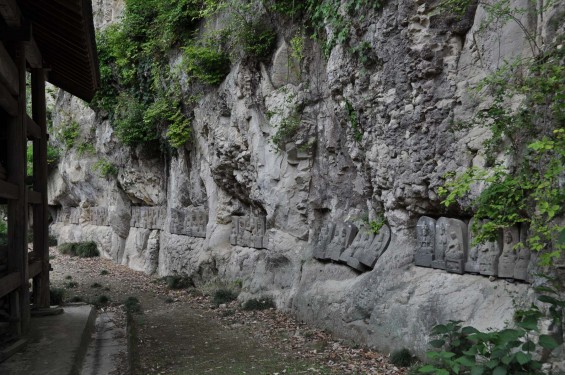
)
(130, 123)
(533, 135)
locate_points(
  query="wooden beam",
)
(8, 71)
(8, 190)
(10, 12)
(34, 197)
(9, 283)
(33, 130)
(18, 209)
(7, 101)
(35, 268)
(33, 54)
(40, 213)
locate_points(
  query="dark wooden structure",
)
(40, 40)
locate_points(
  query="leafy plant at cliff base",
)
(466, 350)
(287, 129)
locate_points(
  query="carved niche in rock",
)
(342, 238)
(249, 231)
(74, 217)
(440, 246)
(369, 255)
(147, 217)
(489, 254)
(362, 241)
(324, 239)
(63, 215)
(507, 260)
(456, 251)
(99, 216)
(426, 232)
(523, 256)
(190, 222)
(472, 264)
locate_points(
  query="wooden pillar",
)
(40, 228)
(17, 209)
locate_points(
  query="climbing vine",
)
(526, 121)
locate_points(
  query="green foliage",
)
(222, 296)
(526, 121)
(206, 63)
(286, 130)
(132, 305)
(3, 230)
(96, 285)
(402, 358)
(104, 272)
(178, 282)
(68, 133)
(354, 121)
(376, 225)
(257, 40)
(86, 148)
(71, 284)
(56, 296)
(87, 249)
(129, 122)
(259, 304)
(102, 300)
(105, 168)
(466, 350)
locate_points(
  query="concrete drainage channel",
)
(107, 343)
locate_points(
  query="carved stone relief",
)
(148, 217)
(507, 261)
(343, 237)
(426, 232)
(324, 238)
(249, 231)
(190, 222)
(456, 251)
(369, 255)
(523, 256)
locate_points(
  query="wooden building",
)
(40, 40)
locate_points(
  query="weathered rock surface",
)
(404, 101)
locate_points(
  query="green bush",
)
(68, 133)
(258, 40)
(286, 131)
(402, 358)
(3, 231)
(56, 296)
(76, 299)
(105, 168)
(178, 282)
(52, 240)
(71, 284)
(129, 122)
(101, 301)
(132, 305)
(206, 63)
(222, 296)
(259, 304)
(81, 249)
(466, 350)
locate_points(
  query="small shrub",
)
(131, 129)
(101, 300)
(178, 282)
(96, 285)
(68, 277)
(104, 272)
(132, 305)
(57, 296)
(286, 130)
(223, 296)
(206, 63)
(105, 168)
(76, 299)
(67, 248)
(259, 304)
(69, 133)
(52, 240)
(402, 358)
(86, 148)
(71, 284)
(81, 249)
(258, 40)
(169, 300)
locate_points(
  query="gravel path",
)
(183, 332)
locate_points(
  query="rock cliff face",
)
(372, 139)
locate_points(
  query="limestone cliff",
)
(374, 137)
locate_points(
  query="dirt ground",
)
(183, 332)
